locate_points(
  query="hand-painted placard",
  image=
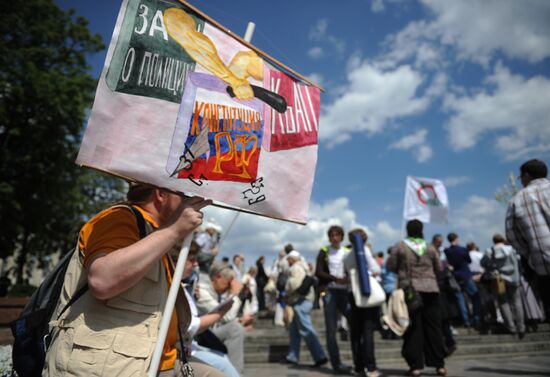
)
(184, 105)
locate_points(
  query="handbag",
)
(377, 295)
(451, 281)
(493, 276)
(498, 285)
(413, 299)
(307, 283)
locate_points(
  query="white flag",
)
(426, 200)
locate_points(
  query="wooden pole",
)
(174, 287)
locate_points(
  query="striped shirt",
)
(528, 224)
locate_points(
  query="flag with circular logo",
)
(426, 200)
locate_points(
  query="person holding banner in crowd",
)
(117, 319)
(363, 320)
(417, 267)
(334, 284)
(528, 227)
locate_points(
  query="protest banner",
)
(185, 105)
(425, 200)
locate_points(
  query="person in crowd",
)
(503, 259)
(208, 242)
(118, 317)
(475, 264)
(250, 305)
(363, 321)
(238, 266)
(417, 267)
(459, 258)
(302, 304)
(528, 225)
(334, 284)
(380, 258)
(230, 329)
(389, 283)
(225, 261)
(447, 288)
(487, 313)
(199, 324)
(261, 282)
(281, 267)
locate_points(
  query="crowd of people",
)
(499, 290)
(418, 290)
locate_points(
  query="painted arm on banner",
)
(182, 28)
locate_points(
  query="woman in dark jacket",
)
(261, 281)
(417, 267)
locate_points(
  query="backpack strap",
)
(142, 233)
(140, 221)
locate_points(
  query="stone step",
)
(263, 343)
(275, 353)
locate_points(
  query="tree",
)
(507, 192)
(45, 92)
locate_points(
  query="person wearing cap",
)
(302, 304)
(113, 327)
(208, 242)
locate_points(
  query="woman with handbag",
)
(417, 266)
(502, 267)
(365, 311)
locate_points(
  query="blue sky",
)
(454, 90)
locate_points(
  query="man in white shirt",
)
(229, 329)
(334, 284)
(475, 256)
(208, 240)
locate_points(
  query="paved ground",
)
(532, 366)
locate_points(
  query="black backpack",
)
(31, 330)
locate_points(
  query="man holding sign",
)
(113, 327)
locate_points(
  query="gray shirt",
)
(505, 262)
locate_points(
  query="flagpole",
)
(176, 279)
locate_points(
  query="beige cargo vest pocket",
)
(130, 356)
(89, 353)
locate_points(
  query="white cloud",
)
(317, 78)
(515, 110)
(475, 30)
(415, 142)
(319, 33)
(385, 235)
(315, 52)
(371, 99)
(456, 180)
(478, 28)
(478, 219)
(377, 6)
(255, 236)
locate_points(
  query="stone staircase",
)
(269, 343)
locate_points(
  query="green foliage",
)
(45, 93)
